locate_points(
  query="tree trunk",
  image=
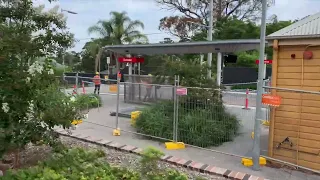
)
(219, 12)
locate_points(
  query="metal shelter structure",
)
(219, 47)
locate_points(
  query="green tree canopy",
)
(119, 29)
(31, 102)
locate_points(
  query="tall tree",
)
(119, 29)
(275, 25)
(233, 28)
(197, 11)
(31, 103)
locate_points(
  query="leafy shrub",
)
(149, 166)
(80, 164)
(149, 159)
(245, 86)
(88, 101)
(73, 164)
(203, 120)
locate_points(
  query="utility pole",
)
(257, 130)
(63, 55)
(210, 37)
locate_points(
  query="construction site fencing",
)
(200, 117)
(202, 120)
(213, 119)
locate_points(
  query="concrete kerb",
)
(192, 165)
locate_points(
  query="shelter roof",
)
(224, 46)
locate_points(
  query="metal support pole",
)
(131, 81)
(118, 94)
(130, 69)
(77, 81)
(210, 37)
(259, 113)
(174, 109)
(139, 81)
(177, 110)
(264, 67)
(219, 60)
(64, 68)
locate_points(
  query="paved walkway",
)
(100, 125)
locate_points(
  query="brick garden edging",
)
(196, 166)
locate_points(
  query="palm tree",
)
(119, 29)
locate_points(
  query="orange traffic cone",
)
(83, 88)
(74, 89)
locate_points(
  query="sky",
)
(147, 11)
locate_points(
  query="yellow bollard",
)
(76, 122)
(266, 122)
(134, 116)
(248, 161)
(116, 132)
(175, 145)
(113, 88)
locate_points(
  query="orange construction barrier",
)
(83, 88)
(74, 89)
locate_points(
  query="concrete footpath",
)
(99, 131)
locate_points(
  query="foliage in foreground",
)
(32, 106)
(203, 120)
(88, 101)
(245, 86)
(31, 103)
(80, 164)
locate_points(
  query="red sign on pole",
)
(271, 100)
(131, 60)
(182, 91)
(267, 61)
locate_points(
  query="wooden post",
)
(273, 92)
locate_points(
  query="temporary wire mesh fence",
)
(146, 89)
(199, 118)
(203, 120)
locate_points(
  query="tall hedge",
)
(203, 120)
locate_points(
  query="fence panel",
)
(146, 89)
(203, 120)
(206, 120)
(147, 109)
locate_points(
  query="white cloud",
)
(90, 11)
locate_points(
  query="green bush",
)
(88, 101)
(80, 164)
(203, 120)
(245, 86)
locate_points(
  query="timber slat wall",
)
(298, 117)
